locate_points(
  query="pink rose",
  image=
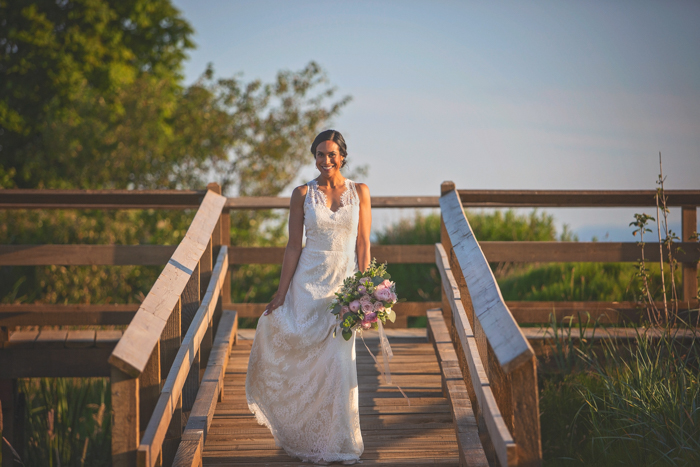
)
(375, 319)
(393, 297)
(378, 306)
(344, 310)
(365, 299)
(354, 306)
(367, 308)
(366, 325)
(383, 294)
(387, 283)
(362, 289)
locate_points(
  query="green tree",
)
(92, 96)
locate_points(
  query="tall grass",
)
(67, 422)
(622, 403)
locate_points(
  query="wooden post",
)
(226, 240)
(190, 304)
(169, 346)
(190, 300)
(205, 270)
(445, 187)
(526, 414)
(125, 418)
(190, 388)
(149, 389)
(205, 267)
(689, 225)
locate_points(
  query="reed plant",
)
(631, 402)
(67, 422)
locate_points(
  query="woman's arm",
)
(363, 230)
(293, 250)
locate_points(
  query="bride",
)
(301, 381)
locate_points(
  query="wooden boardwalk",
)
(394, 433)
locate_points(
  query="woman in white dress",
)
(301, 381)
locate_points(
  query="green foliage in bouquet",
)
(358, 287)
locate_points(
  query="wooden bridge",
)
(177, 368)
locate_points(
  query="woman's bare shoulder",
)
(362, 190)
(299, 193)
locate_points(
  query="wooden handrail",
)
(274, 202)
(495, 252)
(134, 349)
(509, 345)
(152, 440)
(574, 198)
(485, 332)
(100, 199)
(183, 199)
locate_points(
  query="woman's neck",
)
(333, 181)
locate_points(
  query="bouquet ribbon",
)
(387, 355)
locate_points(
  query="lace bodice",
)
(328, 230)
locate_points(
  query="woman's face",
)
(328, 158)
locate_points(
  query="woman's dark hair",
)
(337, 138)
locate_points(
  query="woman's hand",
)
(276, 302)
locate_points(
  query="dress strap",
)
(314, 195)
(350, 196)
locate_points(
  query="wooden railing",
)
(495, 357)
(152, 350)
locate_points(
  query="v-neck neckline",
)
(325, 198)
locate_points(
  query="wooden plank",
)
(575, 198)
(51, 339)
(78, 255)
(172, 390)
(402, 309)
(134, 348)
(23, 362)
(485, 404)
(208, 394)
(689, 227)
(394, 254)
(40, 314)
(80, 339)
(107, 338)
(471, 450)
(510, 251)
(100, 199)
(125, 418)
(189, 454)
(270, 202)
(509, 345)
(595, 252)
(22, 339)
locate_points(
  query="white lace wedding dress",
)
(301, 381)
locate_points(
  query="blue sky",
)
(501, 95)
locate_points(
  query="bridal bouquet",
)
(364, 299)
